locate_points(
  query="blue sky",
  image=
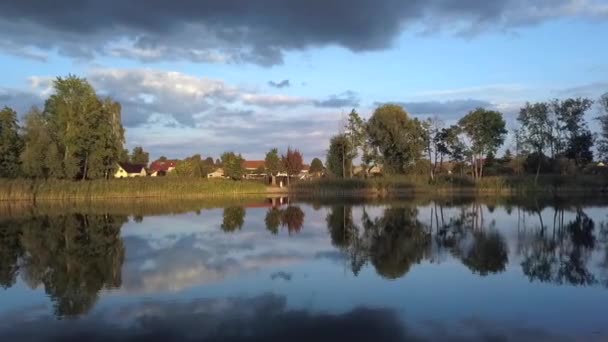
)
(195, 77)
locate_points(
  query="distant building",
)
(161, 168)
(218, 173)
(128, 170)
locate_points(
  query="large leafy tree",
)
(603, 135)
(434, 145)
(339, 156)
(536, 128)
(485, 132)
(87, 130)
(139, 156)
(579, 139)
(232, 164)
(10, 143)
(293, 162)
(398, 137)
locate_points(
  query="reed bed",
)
(166, 187)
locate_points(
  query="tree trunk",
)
(537, 172)
(86, 165)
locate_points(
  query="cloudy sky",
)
(210, 76)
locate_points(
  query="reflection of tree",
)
(292, 218)
(562, 258)
(392, 243)
(482, 249)
(234, 217)
(273, 220)
(488, 254)
(10, 252)
(398, 241)
(345, 235)
(73, 256)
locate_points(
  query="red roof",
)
(162, 165)
(253, 164)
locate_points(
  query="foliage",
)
(485, 132)
(435, 145)
(316, 167)
(233, 165)
(355, 131)
(10, 143)
(83, 132)
(193, 166)
(293, 162)
(603, 135)
(292, 217)
(398, 137)
(338, 156)
(273, 162)
(579, 140)
(273, 220)
(139, 156)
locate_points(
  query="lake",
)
(449, 269)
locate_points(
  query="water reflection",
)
(74, 257)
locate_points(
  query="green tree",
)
(273, 164)
(10, 144)
(398, 137)
(40, 157)
(579, 139)
(233, 219)
(338, 156)
(485, 132)
(316, 167)
(433, 144)
(603, 135)
(87, 130)
(139, 156)
(193, 166)
(293, 162)
(536, 128)
(355, 131)
(233, 165)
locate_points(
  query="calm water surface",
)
(421, 270)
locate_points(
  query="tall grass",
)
(404, 184)
(23, 189)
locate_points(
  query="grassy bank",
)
(404, 185)
(165, 187)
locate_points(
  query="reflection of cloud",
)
(158, 265)
(264, 317)
(281, 275)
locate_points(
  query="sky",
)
(212, 76)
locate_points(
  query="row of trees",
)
(77, 134)
(400, 143)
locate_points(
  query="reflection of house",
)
(161, 168)
(127, 170)
(218, 173)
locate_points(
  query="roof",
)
(253, 164)
(162, 165)
(132, 168)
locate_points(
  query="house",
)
(218, 173)
(252, 166)
(376, 170)
(128, 170)
(161, 168)
(304, 173)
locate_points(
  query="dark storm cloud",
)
(282, 84)
(347, 99)
(258, 32)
